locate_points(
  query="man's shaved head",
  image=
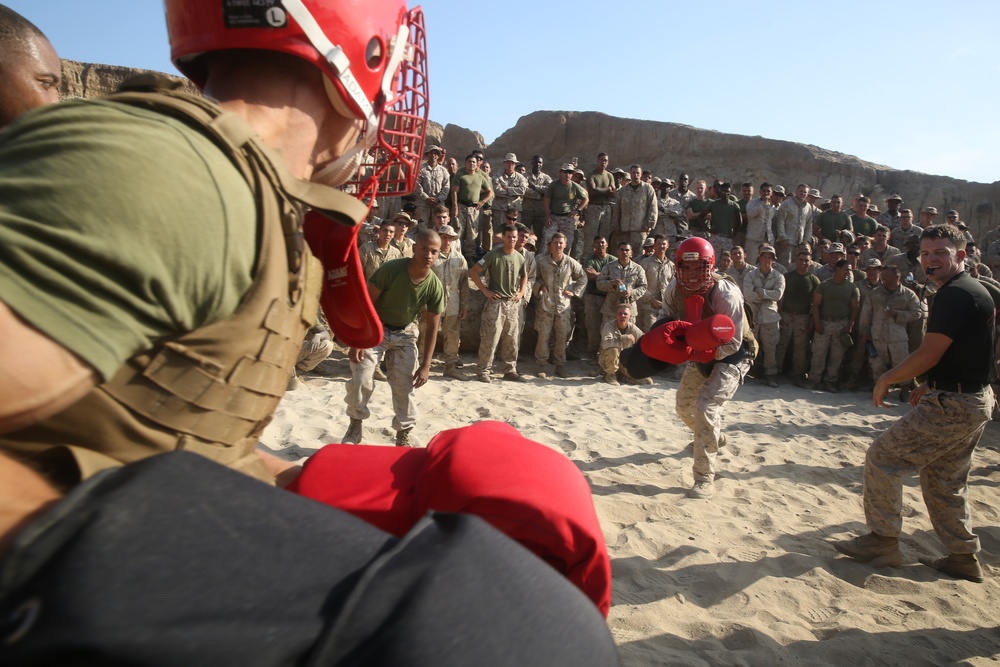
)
(30, 70)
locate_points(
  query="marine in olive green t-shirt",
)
(108, 249)
(401, 299)
(837, 297)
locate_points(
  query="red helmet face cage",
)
(393, 163)
(695, 259)
(373, 52)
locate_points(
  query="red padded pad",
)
(532, 493)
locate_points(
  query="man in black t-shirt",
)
(950, 412)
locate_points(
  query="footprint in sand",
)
(823, 614)
(889, 615)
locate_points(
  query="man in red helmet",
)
(156, 286)
(159, 318)
(697, 292)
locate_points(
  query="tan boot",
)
(451, 371)
(873, 548)
(959, 566)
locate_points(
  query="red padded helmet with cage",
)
(372, 52)
(695, 259)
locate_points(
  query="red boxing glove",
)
(710, 333)
(667, 343)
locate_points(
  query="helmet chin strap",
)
(344, 168)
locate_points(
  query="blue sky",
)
(911, 85)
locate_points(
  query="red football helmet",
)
(695, 258)
(372, 52)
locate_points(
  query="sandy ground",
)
(749, 577)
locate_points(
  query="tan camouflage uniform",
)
(510, 189)
(613, 341)
(887, 334)
(632, 275)
(937, 437)
(700, 399)
(373, 257)
(658, 276)
(635, 214)
(453, 271)
(763, 294)
(794, 223)
(400, 351)
(431, 183)
(554, 311)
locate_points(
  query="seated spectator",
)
(617, 335)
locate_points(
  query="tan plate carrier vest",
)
(213, 390)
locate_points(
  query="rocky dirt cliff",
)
(666, 149)
(669, 148)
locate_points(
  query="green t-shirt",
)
(605, 180)
(830, 223)
(505, 271)
(798, 296)
(836, 299)
(471, 187)
(864, 225)
(564, 198)
(119, 227)
(699, 205)
(596, 263)
(723, 211)
(401, 299)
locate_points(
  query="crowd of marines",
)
(835, 294)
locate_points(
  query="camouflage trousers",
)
(592, 305)
(768, 335)
(647, 317)
(499, 324)
(700, 401)
(597, 220)
(451, 327)
(469, 219)
(400, 351)
(937, 438)
(634, 238)
(424, 216)
(857, 363)
(548, 324)
(721, 243)
(486, 219)
(560, 223)
(794, 333)
(752, 247)
(533, 216)
(827, 350)
(609, 360)
(315, 348)
(889, 355)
